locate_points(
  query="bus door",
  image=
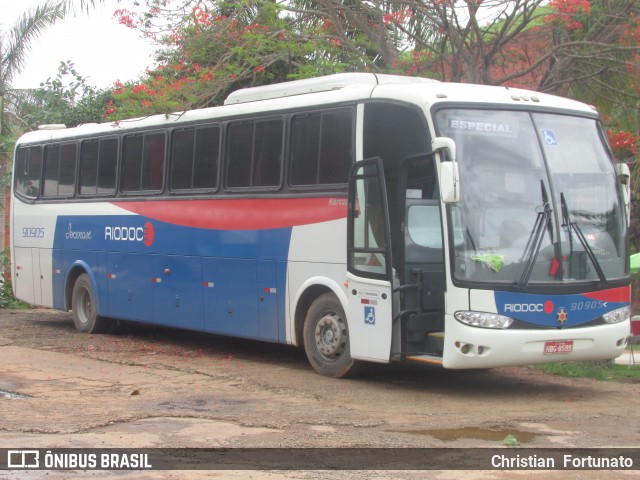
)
(33, 282)
(370, 309)
(422, 271)
(24, 277)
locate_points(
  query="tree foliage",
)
(15, 44)
(579, 48)
(14, 47)
(65, 99)
(211, 48)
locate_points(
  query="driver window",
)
(421, 180)
(422, 221)
(423, 224)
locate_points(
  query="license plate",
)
(558, 346)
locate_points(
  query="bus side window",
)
(89, 167)
(131, 163)
(28, 171)
(59, 170)
(143, 162)
(206, 158)
(194, 158)
(335, 151)
(67, 175)
(321, 148)
(267, 153)
(305, 144)
(239, 153)
(153, 162)
(254, 156)
(98, 162)
(107, 166)
(51, 170)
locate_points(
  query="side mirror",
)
(624, 178)
(449, 173)
(449, 182)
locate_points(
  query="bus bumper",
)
(471, 347)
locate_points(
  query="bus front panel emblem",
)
(562, 316)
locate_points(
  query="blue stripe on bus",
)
(218, 281)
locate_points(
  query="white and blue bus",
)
(363, 217)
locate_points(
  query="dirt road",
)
(165, 388)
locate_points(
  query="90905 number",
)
(33, 232)
(588, 305)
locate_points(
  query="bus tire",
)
(83, 306)
(326, 338)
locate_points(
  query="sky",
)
(102, 50)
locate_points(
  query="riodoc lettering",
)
(131, 234)
(524, 307)
(124, 233)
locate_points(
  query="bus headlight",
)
(483, 320)
(617, 316)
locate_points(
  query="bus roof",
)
(319, 84)
(331, 89)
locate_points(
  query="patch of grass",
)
(606, 371)
(7, 300)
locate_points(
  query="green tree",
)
(14, 46)
(64, 99)
(214, 47)
(570, 47)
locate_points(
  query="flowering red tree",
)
(212, 48)
(583, 49)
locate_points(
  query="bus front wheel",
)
(326, 338)
(83, 306)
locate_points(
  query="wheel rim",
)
(331, 336)
(85, 308)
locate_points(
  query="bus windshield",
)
(539, 199)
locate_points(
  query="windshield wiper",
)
(530, 253)
(573, 226)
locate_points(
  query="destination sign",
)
(483, 128)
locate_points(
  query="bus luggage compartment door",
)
(230, 296)
(177, 291)
(129, 284)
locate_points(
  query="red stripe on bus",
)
(619, 295)
(241, 214)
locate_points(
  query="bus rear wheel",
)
(83, 306)
(326, 339)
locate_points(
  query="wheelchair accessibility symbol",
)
(369, 315)
(549, 137)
